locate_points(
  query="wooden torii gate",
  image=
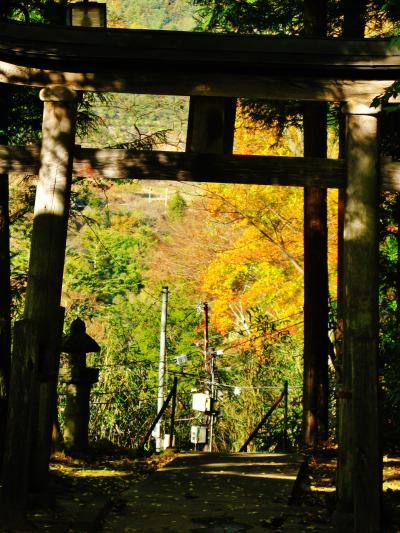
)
(64, 60)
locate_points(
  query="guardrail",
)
(253, 434)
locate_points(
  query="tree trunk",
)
(344, 477)
(354, 12)
(398, 265)
(315, 382)
(5, 290)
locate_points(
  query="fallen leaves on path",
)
(77, 484)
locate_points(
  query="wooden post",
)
(211, 128)
(205, 337)
(173, 410)
(5, 289)
(211, 125)
(315, 377)
(360, 311)
(46, 263)
(45, 399)
(17, 451)
(353, 28)
(285, 416)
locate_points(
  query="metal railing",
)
(253, 434)
(171, 396)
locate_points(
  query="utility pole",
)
(205, 345)
(161, 368)
(209, 362)
(207, 368)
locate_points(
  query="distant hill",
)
(151, 14)
(132, 117)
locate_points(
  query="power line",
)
(184, 374)
(255, 387)
(273, 322)
(273, 333)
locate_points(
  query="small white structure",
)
(166, 441)
(198, 434)
(181, 359)
(201, 402)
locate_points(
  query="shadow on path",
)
(211, 492)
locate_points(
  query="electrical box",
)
(201, 402)
(198, 434)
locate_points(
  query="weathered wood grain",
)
(46, 261)
(81, 47)
(361, 314)
(159, 62)
(179, 166)
(202, 83)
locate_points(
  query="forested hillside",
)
(151, 14)
(237, 247)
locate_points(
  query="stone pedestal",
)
(79, 379)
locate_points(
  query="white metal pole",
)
(212, 402)
(162, 365)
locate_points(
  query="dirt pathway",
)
(210, 492)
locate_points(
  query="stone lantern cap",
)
(78, 341)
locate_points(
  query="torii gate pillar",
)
(42, 304)
(37, 339)
(360, 312)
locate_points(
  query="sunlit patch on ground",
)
(80, 486)
(322, 489)
(391, 474)
(89, 472)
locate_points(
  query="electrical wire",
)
(252, 387)
(277, 321)
(235, 343)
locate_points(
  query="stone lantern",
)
(79, 380)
